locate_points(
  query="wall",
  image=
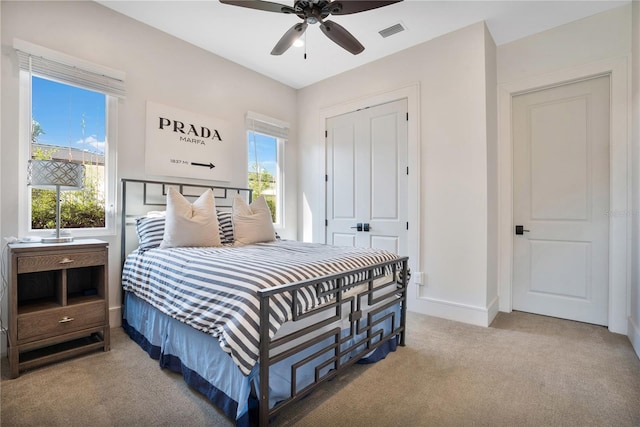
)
(634, 314)
(452, 73)
(605, 35)
(590, 46)
(158, 67)
(492, 174)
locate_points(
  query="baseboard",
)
(465, 313)
(115, 317)
(492, 310)
(633, 332)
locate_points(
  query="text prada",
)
(189, 129)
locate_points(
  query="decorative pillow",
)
(252, 223)
(150, 229)
(190, 224)
(225, 223)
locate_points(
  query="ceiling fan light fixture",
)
(316, 12)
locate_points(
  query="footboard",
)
(362, 303)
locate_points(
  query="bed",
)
(200, 311)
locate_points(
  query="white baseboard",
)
(633, 332)
(115, 317)
(465, 313)
(492, 310)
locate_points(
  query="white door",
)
(367, 178)
(561, 200)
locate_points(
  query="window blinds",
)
(66, 69)
(266, 125)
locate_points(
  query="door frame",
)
(412, 94)
(620, 186)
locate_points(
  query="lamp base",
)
(61, 239)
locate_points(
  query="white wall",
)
(634, 315)
(590, 46)
(492, 175)
(158, 67)
(605, 35)
(452, 75)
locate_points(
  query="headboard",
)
(141, 196)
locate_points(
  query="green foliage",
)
(260, 180)
(41, 154)
(78, 209)
(271, 202)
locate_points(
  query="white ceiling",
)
(246, 36)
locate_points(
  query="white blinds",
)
(66, 69)
(266, 125)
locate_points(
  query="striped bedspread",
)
(215, 289)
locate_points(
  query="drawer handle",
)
(66, 261)
(66, 319)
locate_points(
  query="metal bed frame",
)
(367, 323)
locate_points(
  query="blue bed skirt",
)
(211, 371)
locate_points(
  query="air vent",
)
(394, 29)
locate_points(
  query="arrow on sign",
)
(210, 165)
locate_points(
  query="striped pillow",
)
(150, 231)
(225, 223)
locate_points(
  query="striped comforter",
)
(215, 289)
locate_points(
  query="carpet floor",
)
(523, 370)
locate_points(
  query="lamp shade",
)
(53, 174)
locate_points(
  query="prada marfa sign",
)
(185, 144)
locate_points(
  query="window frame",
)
(110, 179)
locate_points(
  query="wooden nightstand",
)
(58, 301)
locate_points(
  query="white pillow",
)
(252, 223)
(190, 224)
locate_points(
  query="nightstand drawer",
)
(29, 264)
(44, 324)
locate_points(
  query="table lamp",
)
(59, 176)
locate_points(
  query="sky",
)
(266, 147)
(61, 110)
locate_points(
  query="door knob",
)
(366, 227)
(358, 226)
(520, 230)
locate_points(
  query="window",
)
(266, 138)
(68, 123)
(68, 111)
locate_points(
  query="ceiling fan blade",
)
(289, 37)
(345, 7)
(341, 37)
(260, 5)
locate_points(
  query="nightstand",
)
(58, 301)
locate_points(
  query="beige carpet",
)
(524, 370)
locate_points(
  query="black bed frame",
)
(386, 294)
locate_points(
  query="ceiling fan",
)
(312, 12)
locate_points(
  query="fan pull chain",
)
(305, 45)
